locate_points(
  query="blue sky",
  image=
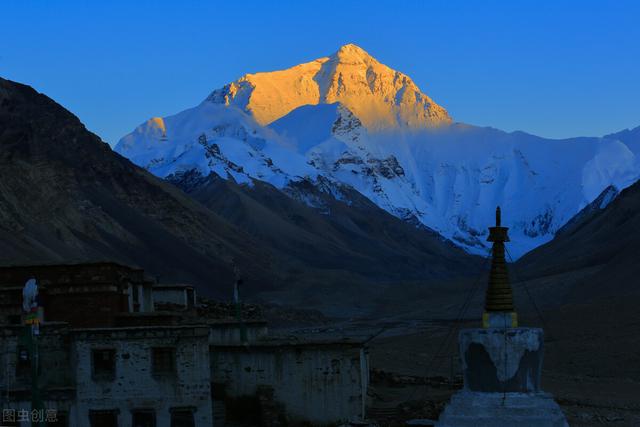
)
(552, 68)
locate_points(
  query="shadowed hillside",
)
(65, 196)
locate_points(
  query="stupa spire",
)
(498, 307)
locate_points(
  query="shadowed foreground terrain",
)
(592, 355)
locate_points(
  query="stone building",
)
(108, 354)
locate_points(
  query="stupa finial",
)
(498, 305)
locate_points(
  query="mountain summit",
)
(381, 97)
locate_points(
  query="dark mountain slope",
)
(597, 255)
(65, 196)
(357, 237)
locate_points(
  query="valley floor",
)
(587, 399)
(592, 360)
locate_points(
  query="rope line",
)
(504, 387)
(461, 313)
(533, 302)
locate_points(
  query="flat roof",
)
(234, 322)
(172, 286)
(138, 328)
(71, 264)
(275, 341)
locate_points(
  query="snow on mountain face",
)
(213, 138)
(310, 125)
(448, 178)
(380, 97)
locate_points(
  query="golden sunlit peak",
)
(352, 50)
(381, 98)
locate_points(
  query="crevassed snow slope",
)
(449, 179)
(452, 178)
(214, 138)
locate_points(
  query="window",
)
(103, 418)
(218, 391)
(104, 364)
(163, 360)
(143, 418)
(182, 417)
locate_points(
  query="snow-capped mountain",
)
(347, 120)
(382, 98)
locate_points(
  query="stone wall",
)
(321, 383)
(230, 332)
(134, 385)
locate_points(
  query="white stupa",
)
(501, 362)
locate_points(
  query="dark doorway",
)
(143, 418)
(182, 417)
(103, 418)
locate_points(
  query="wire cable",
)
(457, 321)
(533, 302)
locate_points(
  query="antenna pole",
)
(31, 331)
(238, 304)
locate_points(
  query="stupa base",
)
(478, 409)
